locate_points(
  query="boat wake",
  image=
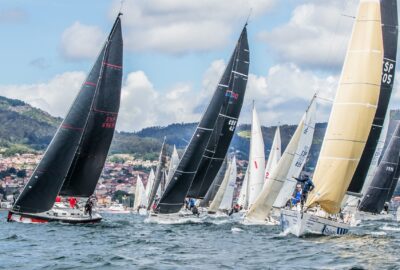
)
(390, 228)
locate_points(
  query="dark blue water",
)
(127, 242)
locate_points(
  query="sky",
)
(175, 52)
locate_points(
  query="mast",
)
(353, 111)
(225, 100)
(381, 188)
(91, 155)
(226, 122)
(162, 159)
(388, 10)
(256, 160)
(48, 177)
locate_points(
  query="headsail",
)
(150, 183)
(274, 154)
(140, 194)
(256, 166)
(173, 164)
(46, 181)
(216, 202)
(244, 191)
(353, 110)
(300, 157)
(263, 204)
(381, 188)
(388, 10)
(226, 121)
(226, 203)
(215, 118)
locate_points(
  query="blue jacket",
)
(308, 184)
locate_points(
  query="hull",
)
(182, 216)
(299, 224)
(63, 215)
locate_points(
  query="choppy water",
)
(127, 242)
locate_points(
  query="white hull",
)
(268, 222)
(299, 224)
(56, 214)
(182, 216)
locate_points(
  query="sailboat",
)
(224, 197)
(140, 197)
(259, 212)
(384, 182)
(244, 191)
(256, 167)
(212, 191)
(72, 163)
(365, 70)
(150, 183)
(211, 136)
(274, 154)
(300, 157)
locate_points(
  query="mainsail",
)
(256, 166)
(353, 110)
(216, 123)
(76, 154)
(389, 21)
(300, 157)
(212, 191)
(263, 204)
(162, 159)
(226, 121)
(274, 154)
(381, 188)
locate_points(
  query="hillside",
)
(25, 129)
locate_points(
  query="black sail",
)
(89, 160)
(381, 185)
(162, 159)
(222, 134)
(46, 181)
(222, 103)
(212, 191)
(390, 32)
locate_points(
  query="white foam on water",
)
(236, 230)
(378, 233)
(389, 228)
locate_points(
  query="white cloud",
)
(181, 26)
(316, 35)
(79, 42)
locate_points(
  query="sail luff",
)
(262, 206)
(256, 165)
(353, 111)
(390, 33)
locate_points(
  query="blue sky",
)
(174, 53)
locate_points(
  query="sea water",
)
(127, 241)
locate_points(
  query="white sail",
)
(173, 164)
(261, 208)
(243, 197)
(275, 154)
(257, 160)
(140, 194)
(300, 156)
(214, 206)
(226, 203)
(150, 183)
